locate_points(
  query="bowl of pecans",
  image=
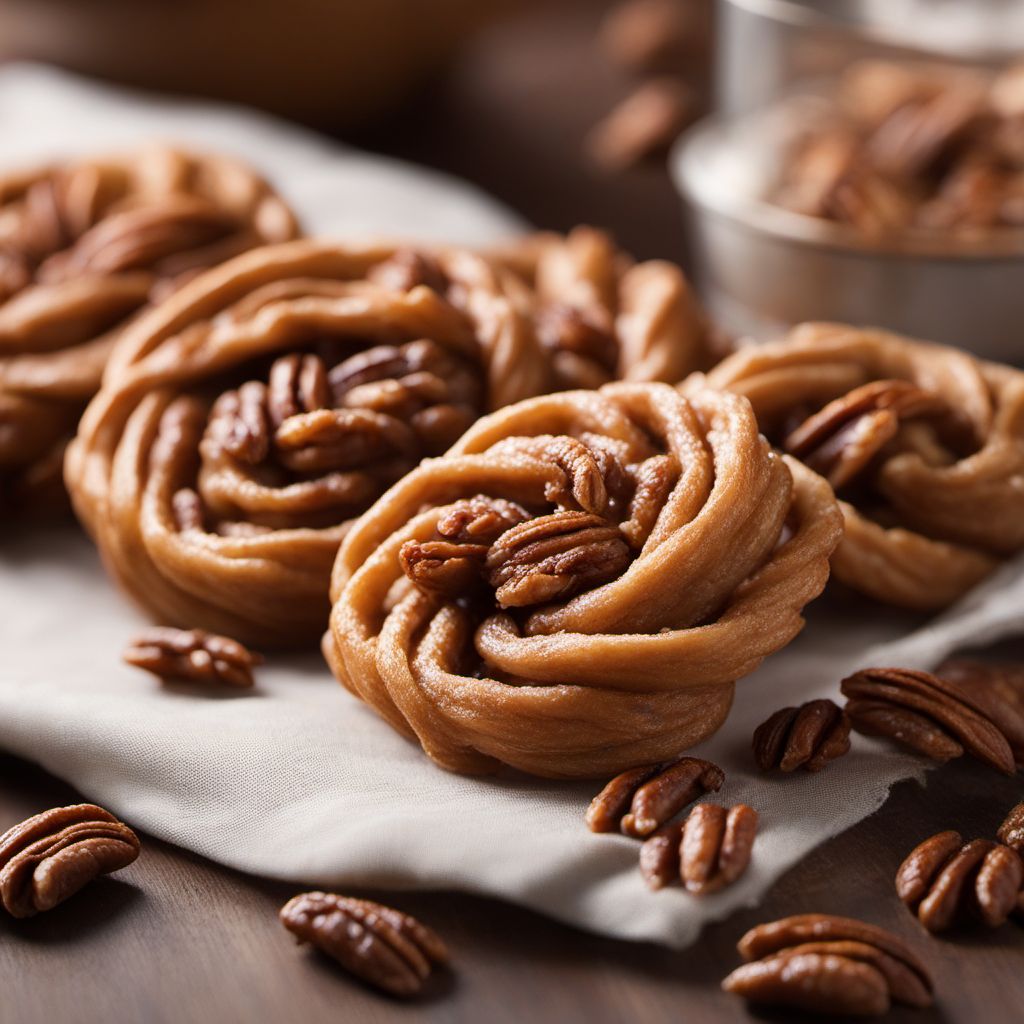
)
(885, 190)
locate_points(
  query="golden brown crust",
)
(246, 421)
(641, 664)
(937, 503)
(84, 245)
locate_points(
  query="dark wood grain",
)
(177, 939)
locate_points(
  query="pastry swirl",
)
(924, 445)
(574, 587)
(250, 418)
(84, 245)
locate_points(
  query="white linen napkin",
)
(297, 780)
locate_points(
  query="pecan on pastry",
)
(574, 587)
(600, 316)
(84, 245)
(924, 445)
(251, 417)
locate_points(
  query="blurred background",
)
(860, 160)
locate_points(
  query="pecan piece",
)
(555, 556)
(1011, 832)
(564, 328)
(342, 439)
(297, 384)
(925, 713)
(453, 564)
(642, 799)
(716, 846)
(837, 948)
(943, 879)
(997, 686)
(380, 945)
(806, 737)
(192, 654)
(813, 982)
(841, 439)
(406, 269)
(49, 857)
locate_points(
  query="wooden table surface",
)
(175, 938)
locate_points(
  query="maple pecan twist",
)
(923, 444)
(573, 589)
(600, 316)
(84, 245)
(251, 417)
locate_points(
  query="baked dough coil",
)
(84, 245)
(246, 421)
(924, 445)
(575, 586)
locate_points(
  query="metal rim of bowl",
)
(1006, 244)
(802, 15)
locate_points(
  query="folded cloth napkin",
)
(297, 780)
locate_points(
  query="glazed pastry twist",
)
(600, 316)
(245, 422)
(83, 246)
(924, 444)
(573, 588)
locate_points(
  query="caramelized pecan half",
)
(933, 716)
(642, 799)
(49, 857)
(1011, 832)
(192, 654)
(827, 964)
(943, 880)
(841, 440)
(380, 945)
(806, 737)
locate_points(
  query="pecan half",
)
(806, 737)
(997, 684)
(841, 439)
(297, 384)
(1011, 832)
(406, 269)
(828, 964)
(642, 799)
(555, 556)
(380, 945)
(564, 328)
(49, 857)
(931, 715)
(192, 654)
(454, 563)
(944, 879)
(716, 846)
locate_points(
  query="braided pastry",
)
(573, 588)
(601, 317)
(83, 246)
(246, 421)
(924, 445)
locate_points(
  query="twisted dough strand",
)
(629, 669)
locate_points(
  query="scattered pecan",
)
(49, 857)
(642, 799)
(841, 439)
(943, 879)
(933, 716)
(380, 945)
(555, 556)
(1011, 832)
(806, 737)
(827, 964)
(192, 654)
(297, 384)
(1004, 683)
(238, 423)
(716, 846)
